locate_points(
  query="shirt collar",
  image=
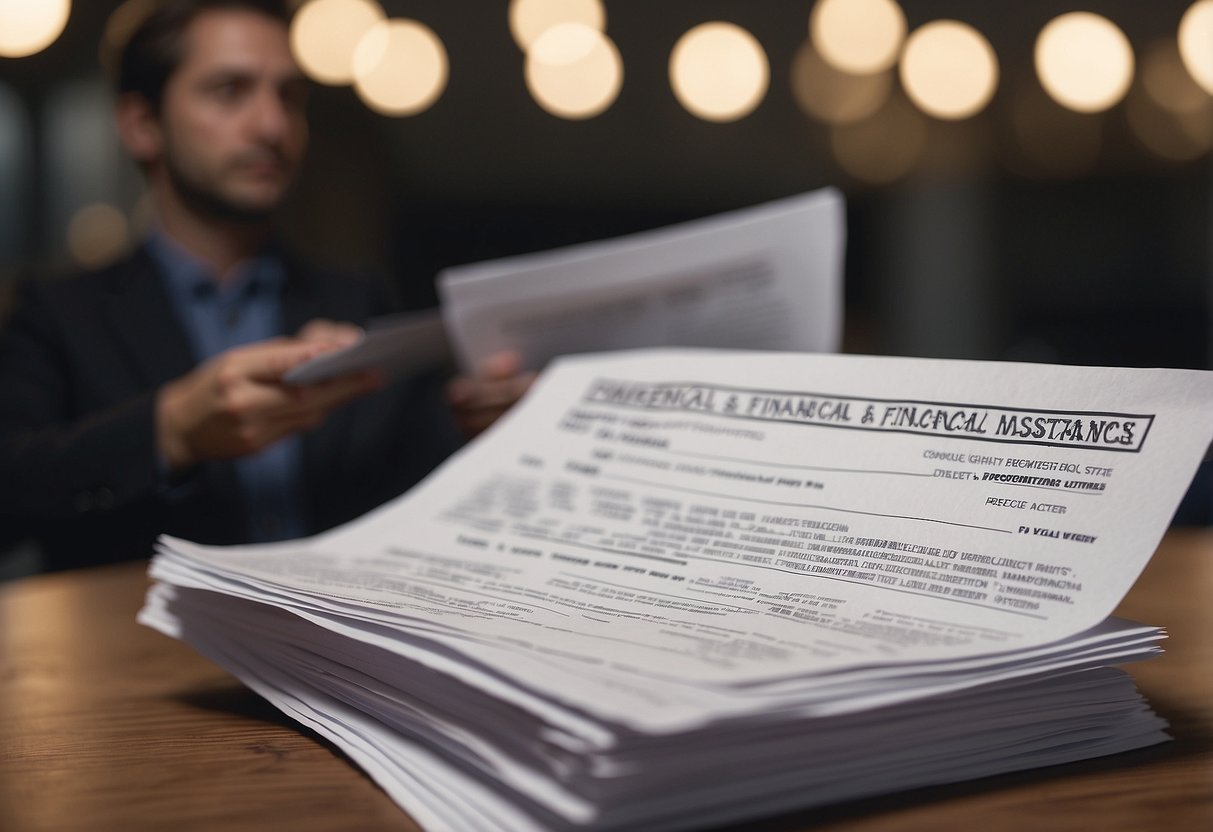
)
(193, 277)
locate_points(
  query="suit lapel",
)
(144, 325)
(146, 328)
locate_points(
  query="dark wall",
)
(970, 255)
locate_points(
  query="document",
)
(936, 509)
(767, 277)
(408, 343)
(638, 598)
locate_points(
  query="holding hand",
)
(236, 404)
(336, 334)
(477, 401)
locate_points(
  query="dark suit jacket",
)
(80, 362)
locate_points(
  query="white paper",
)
(407, 343)
(641, 596)
(766, 277)
(759, 766)
(715, 518)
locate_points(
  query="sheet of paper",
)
(767, 277)
(639, 598)
(408, 343)
(719, 520)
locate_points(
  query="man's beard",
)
(209, 201)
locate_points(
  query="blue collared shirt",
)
(217, 317)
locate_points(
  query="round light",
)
(1167, 81)
(1084, 61)
(97, 234)
(119, 26)
(1177, 137)
(400, 67)
(1196, 42)
(834, 96)
(29, 26)
(325, 33)
(949, 69)
(531, 18)
(864, 149)
(574, 71)
(719, 71)
(1198, 127)
(1052, 141)
(858, 36)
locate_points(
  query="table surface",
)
(107, 725)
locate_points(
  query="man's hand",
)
(477, 401)
(235, 404)
(337, 334)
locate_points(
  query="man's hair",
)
(156, 47)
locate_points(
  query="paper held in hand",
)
(763, 277)
(675, 588)
(399, 344)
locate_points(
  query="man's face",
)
(232, 117)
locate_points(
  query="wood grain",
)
(107, 725)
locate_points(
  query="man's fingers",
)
(503, 394)
(324, 396)
(252, 390)
(478, 401)
(334, 334)
(269, 360)
(236, 404)
(473, 395)
(501, 365)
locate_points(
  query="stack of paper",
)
(674, 589)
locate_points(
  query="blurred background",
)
(1025, 180)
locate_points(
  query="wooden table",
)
(107, 725)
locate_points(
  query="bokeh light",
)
(1196, 42)
(1084, 61)
(1176, 137)
(325, 34)
(400, 67)
(119, 26)
(29, 26)
(858, 36)
(949, 69)
(1167, 81)
(833, 96)
(531, 18)
(883, 148)
(719, 71)
(97, 234)
(574, 71)
(1051, 141)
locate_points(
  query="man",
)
(148, 397)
